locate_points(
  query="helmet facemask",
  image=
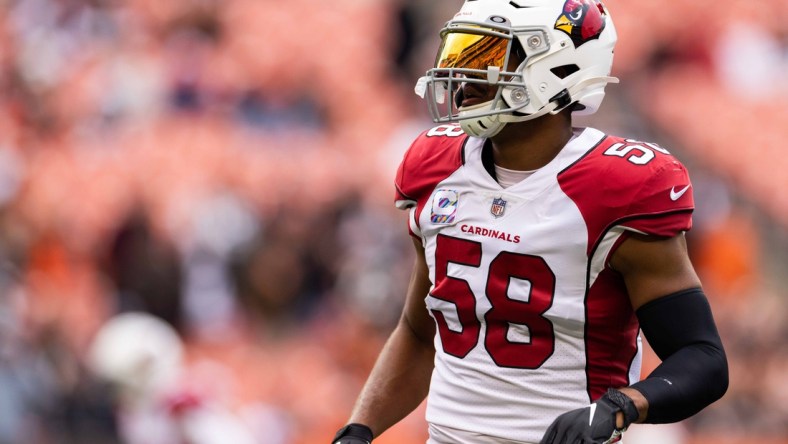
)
(482, 54)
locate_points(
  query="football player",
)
(543, 249)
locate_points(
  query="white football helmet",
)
(565, 49)
(138, 352)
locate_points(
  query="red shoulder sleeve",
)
(432, 157)
(664, 205)
(637, 185)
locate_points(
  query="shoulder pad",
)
(432, 157)
(635, 184)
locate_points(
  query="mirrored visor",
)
(466, 49)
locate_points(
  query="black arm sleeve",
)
(694, 369)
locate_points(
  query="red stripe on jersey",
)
(611, 334)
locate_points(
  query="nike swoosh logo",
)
(675, 195)
(591, 414)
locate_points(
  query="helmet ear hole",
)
(565, 71)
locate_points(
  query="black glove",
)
(595, 424)
(353, 434)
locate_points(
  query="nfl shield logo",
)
(498, 207)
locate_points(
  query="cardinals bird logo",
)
(582, 20)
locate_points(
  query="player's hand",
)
(353, 434)
(595, 424)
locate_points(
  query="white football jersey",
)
(531, 320)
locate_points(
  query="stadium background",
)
(228, 166)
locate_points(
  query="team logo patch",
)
(498, 207)
(444, 207)
(582, 20)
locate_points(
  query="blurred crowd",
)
(226, 166)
